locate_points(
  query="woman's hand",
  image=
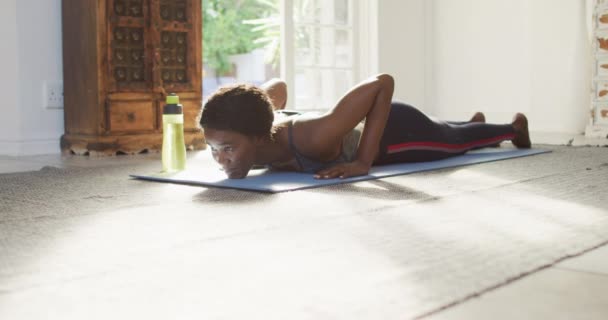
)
(344, 170)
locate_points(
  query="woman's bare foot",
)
(522, 136)
(478, 117)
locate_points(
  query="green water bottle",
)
(174, 148)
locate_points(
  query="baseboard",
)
(30, 147)
(595, 135)
(552, 138)
(590, 141)
(567, 139)
(597, 131)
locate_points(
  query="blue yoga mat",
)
(264, 180)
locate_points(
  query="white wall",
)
(40, 56)
(561, 66)
(402, 48)
(31, 55)
(10, 121)
(495, 56)
(482, 57)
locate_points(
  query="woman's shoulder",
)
(283, 121)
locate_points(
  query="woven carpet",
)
(91, 243)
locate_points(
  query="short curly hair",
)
(242, 108)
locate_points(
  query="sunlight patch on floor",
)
(473, 177)
(478, 220)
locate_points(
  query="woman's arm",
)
(370, 100)
(375, 121)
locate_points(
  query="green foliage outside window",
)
(227, 29)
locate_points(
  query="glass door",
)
(320, 35)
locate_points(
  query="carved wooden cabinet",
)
(120, 59)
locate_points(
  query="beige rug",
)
(91, 243)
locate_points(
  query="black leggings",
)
(411, 136)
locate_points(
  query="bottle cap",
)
(172, 98)
(172, 106)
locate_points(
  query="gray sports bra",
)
(349, 151)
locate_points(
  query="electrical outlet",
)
(53, 93)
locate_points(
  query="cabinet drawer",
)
(131, 116)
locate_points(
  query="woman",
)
(240, 129)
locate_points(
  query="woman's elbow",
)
(386, 81)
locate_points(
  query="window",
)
(308, 43)
(318, 52)
(239, 37)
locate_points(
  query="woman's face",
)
(234, 151)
